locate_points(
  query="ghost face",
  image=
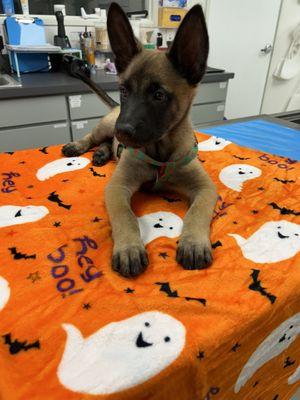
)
(235, 175)
(120, 355)
(278, 341)
(61, 165)
(274, 241)
(159, 224)
(288, 231)
(14, 215)
(213, 144)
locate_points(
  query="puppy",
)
(152, 127)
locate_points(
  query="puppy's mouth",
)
(282, 236)
(128, 140)
(140, 342)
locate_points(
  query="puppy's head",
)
(156, 88)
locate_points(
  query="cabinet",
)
(42, 121)
(34, 136)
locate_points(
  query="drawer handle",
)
(175, 18)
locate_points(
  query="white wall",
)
(278, 92)
(238, 29)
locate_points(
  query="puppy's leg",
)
(104, 131)
(78, 147)
(194, 249)
(129, 254)
(102, 154)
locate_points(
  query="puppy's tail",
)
(79, 69)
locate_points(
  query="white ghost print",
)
(233, 176)
(274, 241)
(120, 355)
(278, 341)
(15, 215)
(295, 377)
(61, 165)
(159, 224)
(4, 292)
(214, 143)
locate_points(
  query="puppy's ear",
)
(123, 43)
(189, 50)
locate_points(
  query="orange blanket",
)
(70, 328)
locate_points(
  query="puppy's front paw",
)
(72, 149)
(193, 254)
(101, 157)
(131, 261)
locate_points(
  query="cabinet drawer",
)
(209, 92)
(89, 105)
(81, 128)
(202, 114)
(32, 110)
(34, 136)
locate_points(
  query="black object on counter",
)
(81, 70)
(61, 39)
(159, 40)
(4, 62)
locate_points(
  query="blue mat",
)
(261, 135)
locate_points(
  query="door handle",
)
(267, 49)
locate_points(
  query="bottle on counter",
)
(90, 49)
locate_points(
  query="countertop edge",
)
(77, 87)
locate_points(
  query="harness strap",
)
(167, 168)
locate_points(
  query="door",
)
(238, 30)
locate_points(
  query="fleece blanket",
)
(71, 328)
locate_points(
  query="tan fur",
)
(129, 254)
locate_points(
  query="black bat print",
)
(170, 200)
(202, 301)
(9, 152)
(54, 197)
(15, 346)
(95, 173)
(165, 287)
(18, 255)
(44, 150)
(257, 287)
(217, 244)
(285, 181)
(283, 210)
(241, 158)
(288, 362)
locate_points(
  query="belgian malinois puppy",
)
(153, 123)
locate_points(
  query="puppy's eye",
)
(159, 95)
(147, 324)
(167, 339)
(123, 92)
(278, 227)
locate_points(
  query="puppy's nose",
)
(126, 128)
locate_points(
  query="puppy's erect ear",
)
(123, 43)
(189, 50)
